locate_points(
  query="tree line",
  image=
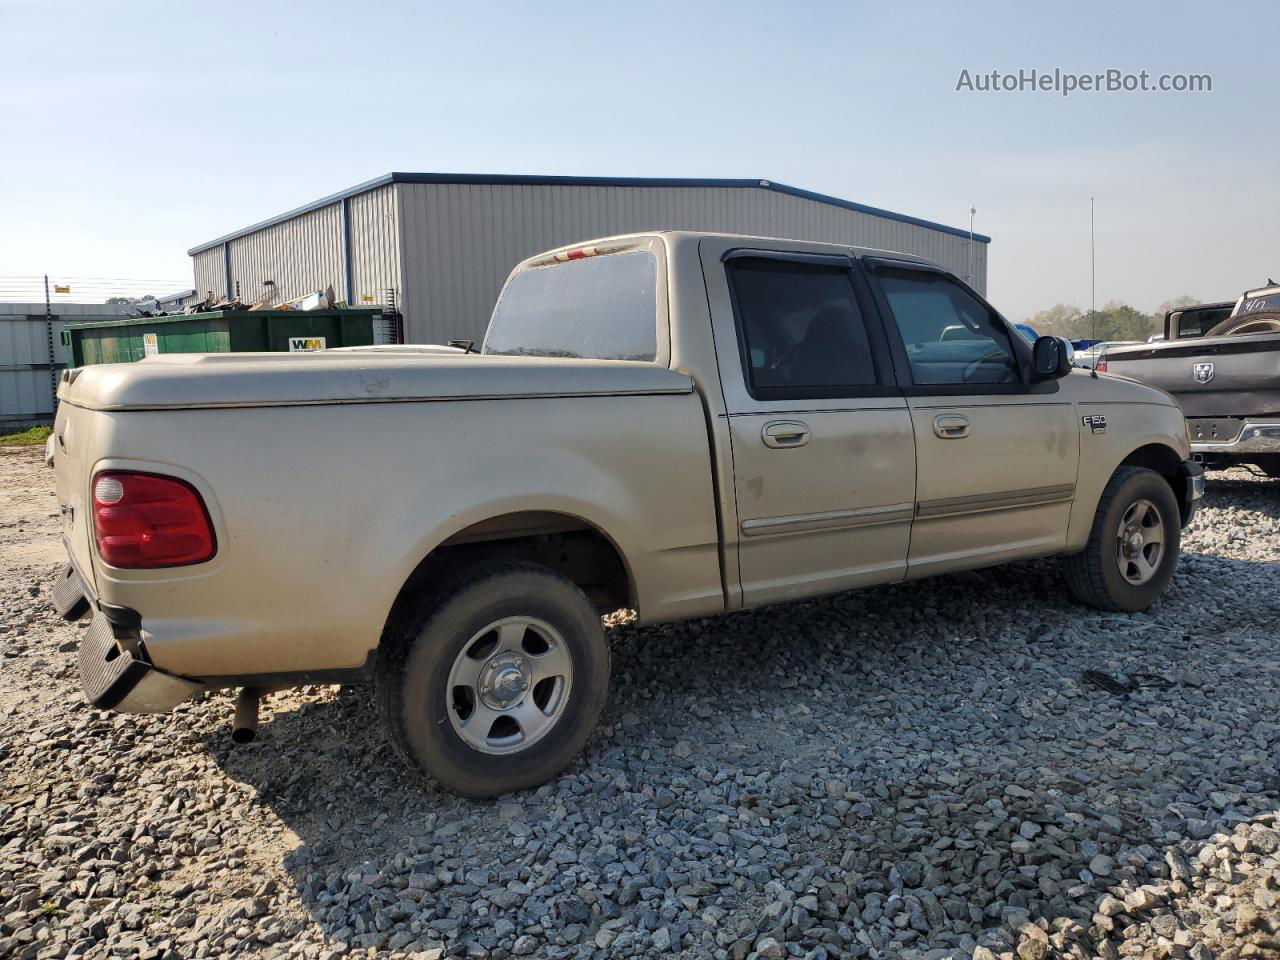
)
(1114, 321)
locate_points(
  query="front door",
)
(996, 453)
(823, 457)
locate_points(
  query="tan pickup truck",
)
(681, 424)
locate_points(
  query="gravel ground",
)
(908, 771)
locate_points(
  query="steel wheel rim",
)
(1140, 542)
(509, 685)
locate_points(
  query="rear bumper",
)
(1254, 436)
(114, 671)
(1192, 489)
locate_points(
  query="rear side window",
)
(951, 338)
(603, 308)
(802, 332)
(1194, 323)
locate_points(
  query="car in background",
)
(1227, 381)
(1028, 331)
(1093, 357)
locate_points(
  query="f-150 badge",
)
(1203, 372)
(1097, 423)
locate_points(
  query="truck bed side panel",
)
(322, 512)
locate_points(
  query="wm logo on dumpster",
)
(303, 344)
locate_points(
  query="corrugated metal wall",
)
(447, 247)
(210, 272)
(375, 250)
(301, 255)
(26, 375)
(461, 240)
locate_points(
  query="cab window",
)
(600, 307)
(802, 332)
(951, 338)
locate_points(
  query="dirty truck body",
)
(745, 421)
(1227, 381)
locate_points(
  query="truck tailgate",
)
(1217, 377)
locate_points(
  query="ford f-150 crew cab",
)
(681, 424)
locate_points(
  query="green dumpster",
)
(220, 331)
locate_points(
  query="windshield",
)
(1251, 307)
(1258, 303)
(601, 307)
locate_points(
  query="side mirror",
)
(1051, 357)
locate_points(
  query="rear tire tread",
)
(418, 624)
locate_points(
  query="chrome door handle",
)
(951, 426)
(781, 434)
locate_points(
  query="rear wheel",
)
(496, 680)
(1133, 545)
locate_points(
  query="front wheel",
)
(1133, 544)
(497, 680)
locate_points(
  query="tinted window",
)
(604, 307)
(951, 338)
(1259, 303)
(802, 331)
(1193, 323)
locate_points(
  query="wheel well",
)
(569, 545)
(1166, 462)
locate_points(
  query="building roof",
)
(538, 180)
(180, 295)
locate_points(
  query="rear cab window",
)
(596, 305)
(1195, 323)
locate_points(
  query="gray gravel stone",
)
(912, 772)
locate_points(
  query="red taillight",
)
(1100, 366)
(143, 520)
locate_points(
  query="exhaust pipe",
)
(244, 727)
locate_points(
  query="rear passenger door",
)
(823, 458)
(996, 453)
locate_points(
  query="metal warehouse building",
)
(441, 245)
(32, 354)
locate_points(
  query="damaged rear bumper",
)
(115, 672)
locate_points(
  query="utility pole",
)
(1093, 274)
(972, 211)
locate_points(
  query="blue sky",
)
(134, 130)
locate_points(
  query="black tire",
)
(414, 667)
(1094, 575)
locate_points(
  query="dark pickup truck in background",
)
(1227, 380)
(1186, 323)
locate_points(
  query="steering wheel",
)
(971, 367)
